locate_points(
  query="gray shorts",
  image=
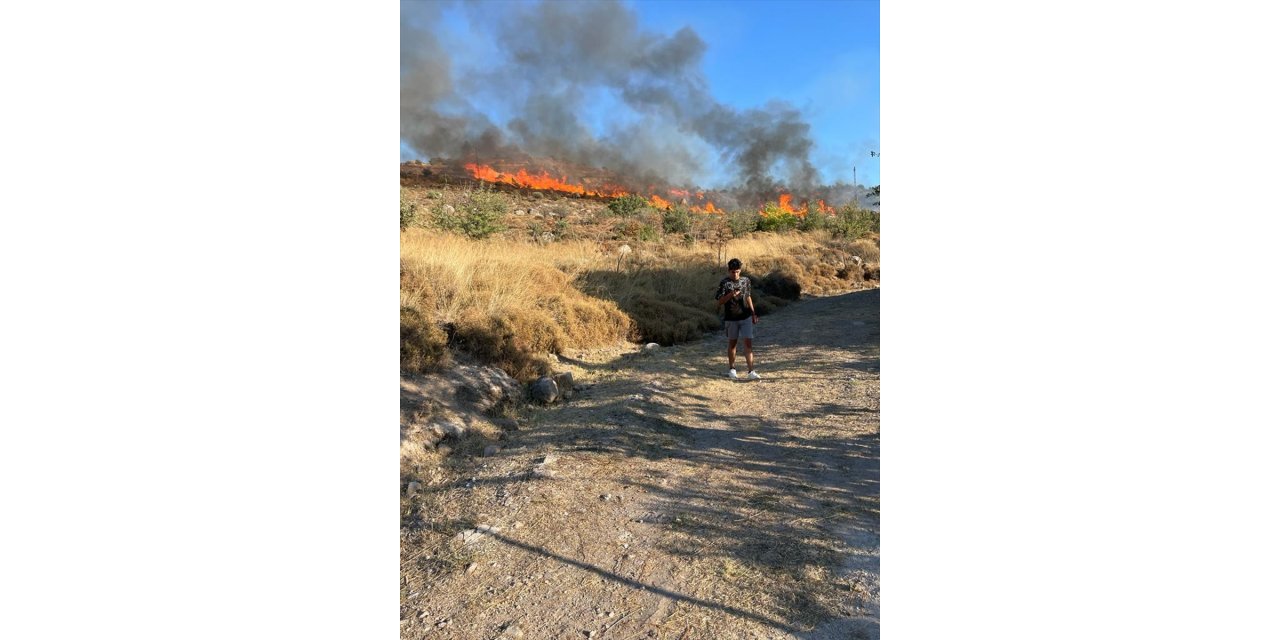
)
(739, 329)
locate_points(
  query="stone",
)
(564, 384)
(652, 346)
(413, 488)
(511, 632)
(448, 209)
(544, 390)
(490, 451)
(453, 429)
(471, 568)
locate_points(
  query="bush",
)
(627, 205)
(636, 230)
(852, 222)
(814, 220)
(480, 216)
(677, 220)
(408, 212)
(742, 222)
(775, 218)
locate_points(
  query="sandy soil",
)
(666, 501)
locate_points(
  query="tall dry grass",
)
(511, 302)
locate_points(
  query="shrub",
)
(814, 220)
(408, 212)
(627, 205)
(775, 218)
(479, 216)
(742, 222)
(852, 222)
(482, 214)
(780, 285)
(636, 230)
(677, 220)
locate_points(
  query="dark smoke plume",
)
(553, 61)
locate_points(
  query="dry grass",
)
(512, 299)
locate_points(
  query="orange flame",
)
(545, 181)
(542, 181)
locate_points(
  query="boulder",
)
(564, 384)
(544, 390)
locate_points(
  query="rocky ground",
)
(664, 500)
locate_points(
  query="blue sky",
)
(822, 58)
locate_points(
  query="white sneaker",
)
(733, 374)
(751, 375)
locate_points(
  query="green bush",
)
(648, 233)
(677, 220)
(627, 205)
(408, 212)
(775, 218)
(852, 222)
(479, 216)
(814, 219)
(742, 222)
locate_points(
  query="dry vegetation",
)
(551, 274)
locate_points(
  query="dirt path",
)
(677, 503)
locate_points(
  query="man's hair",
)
(735, 264)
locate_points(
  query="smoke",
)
(554, 66)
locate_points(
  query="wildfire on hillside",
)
(559, 177)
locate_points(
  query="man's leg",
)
(733, 347)
(751, 363)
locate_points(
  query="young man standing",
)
(734, 294)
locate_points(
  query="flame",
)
(542, 181)
(657, 201)
(545, 181)
(784, 205)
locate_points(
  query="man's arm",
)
(752, 306)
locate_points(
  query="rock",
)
(544, 390)
(471, 568)
(521, 212)
(542, 471)
(507, 424)
(452, 429)
(517, 524)
(433, 434)
(413, 488)
(487, 388)
(652, 346)
(490, 451)
(488, 528)
(448, 209)
(511, 632)
(564, 384)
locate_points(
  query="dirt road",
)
(672, 502)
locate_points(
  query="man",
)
(734, 294)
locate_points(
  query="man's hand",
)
(755, 319)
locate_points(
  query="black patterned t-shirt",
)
(735, 308)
